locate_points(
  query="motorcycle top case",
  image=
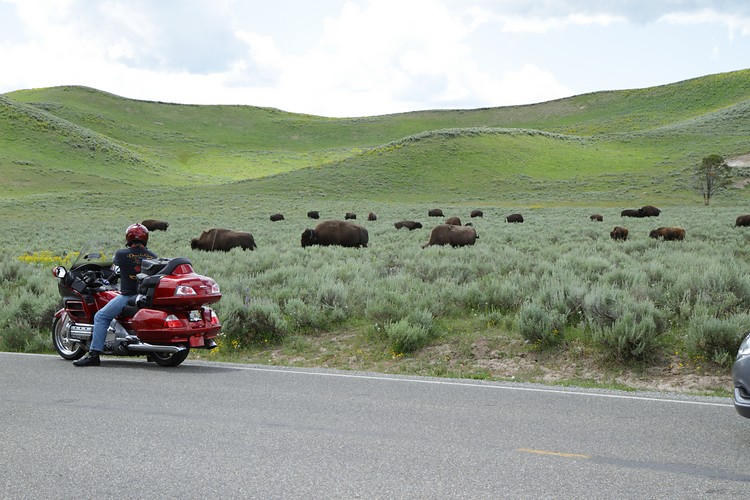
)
(172, 282)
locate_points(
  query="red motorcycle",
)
(169, 316)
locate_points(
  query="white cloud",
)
(732, 21)
(366, 57)
(540, 25)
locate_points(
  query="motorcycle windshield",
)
(95, 252)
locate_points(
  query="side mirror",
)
(59, 272)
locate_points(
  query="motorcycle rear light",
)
(172, 321)
(215, 288)
(184, 290)
(210, 316)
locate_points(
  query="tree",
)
(712, 176)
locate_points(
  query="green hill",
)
(604, 145)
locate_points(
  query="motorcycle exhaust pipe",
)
(146, 348)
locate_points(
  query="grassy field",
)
(78, 163)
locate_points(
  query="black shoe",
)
(91, 359)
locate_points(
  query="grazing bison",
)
(454, 221)
(629, 212)
(223, 240)
(155, 225)
(619, 233)
(648, 211)
(597, 217)
(372, 216)
(455, 236)
(408, 224)
(668, 233)
(477, 213)
(350, 215)
(335, 232)
(435, 212)
(313, 214)
(276, 217)
(514, 218)
(742, 221)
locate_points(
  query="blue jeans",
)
(104, 317)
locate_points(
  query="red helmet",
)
(136, 233)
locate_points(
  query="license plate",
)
(195, 315)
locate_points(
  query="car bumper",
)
(741, 380)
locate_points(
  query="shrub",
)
(406, 337)
(541, 327)
(629, 339)
(305, 316)
(255, 320)
(387, 306)
(716, 339)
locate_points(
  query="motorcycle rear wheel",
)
(163, 359)
(65, 347)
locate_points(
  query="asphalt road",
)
(130, 429)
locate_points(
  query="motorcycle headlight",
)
(744, 349)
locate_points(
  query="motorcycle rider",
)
(129, 261)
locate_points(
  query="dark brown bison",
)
(455, 221)
(335, 232)
(597, 217)
(514, 218)
(408, 224)
(648, 211)
(313, 214)
(372, 216)
(742, 221)
(629, 212)
(455, 236)
(277, 217)
(217, 239)
(435, 212)
(477, 213)
(619, 233)
(155, 225)
(668, 233)
(350, 215)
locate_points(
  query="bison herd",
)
(451, 232)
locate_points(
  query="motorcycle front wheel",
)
(64, 346)
(164, 359)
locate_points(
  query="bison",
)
(155, 225)
(313, 214)
(629, 212)
(454, 221)
(619, 233)
(408, 224)
(742, 221)
(223, 240)
(372, 216)
(455, 236)
(597, 217)
(277, 217)
(335, 232)
(350, 215)
(477, 213)
(668, 233)
(435, 212)
(648, 211)
(514, 218)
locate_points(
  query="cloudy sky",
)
(367, 57)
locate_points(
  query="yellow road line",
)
(552, 453)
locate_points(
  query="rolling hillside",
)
(603, 146)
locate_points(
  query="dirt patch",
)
(739, 161)
(501, 359)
